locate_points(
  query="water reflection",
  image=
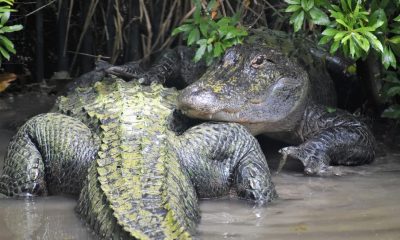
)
(41, 218)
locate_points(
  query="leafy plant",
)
(357, 27)
(210, 33)
(6, 46)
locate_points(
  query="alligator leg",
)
(50, 153)
(336, 138)
(220, 157)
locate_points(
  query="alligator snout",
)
(198, 102)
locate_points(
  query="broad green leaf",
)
(182, 28)
(337, 15)
(200, 52)
(225, 21)
(341, 22)
(307, 4)
(334, 47)
(194, 36)
(335, 8)
(397, 19)
(4, 53)
(325, 40)
(12, 28)
(395, 39)
(292, 8)
(4, 18)
(344, 39)
(373, 40)
(218, 49)
(292, 1)
(297, 21)
(319, 17)
(378, 15)
(329, 32)
(339, 36)
(343, 4)
(7, 44)
(361, 41)
(388, 58)
(204, 26)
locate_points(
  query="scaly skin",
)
(135, 177)
(278, 85)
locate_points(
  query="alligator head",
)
(254, 85)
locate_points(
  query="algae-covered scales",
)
(136, 178)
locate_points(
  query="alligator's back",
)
(136, 186)
(308, 55)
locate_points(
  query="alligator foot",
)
(315, 162)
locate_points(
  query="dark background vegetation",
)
(62, 39)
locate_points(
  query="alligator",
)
(117, 145)
(273, 84)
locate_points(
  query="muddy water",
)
(362, 204)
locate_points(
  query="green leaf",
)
(334, 47)
(395, 39)
(4, 18)
(297, 20)
(319, 17)
(204, 26)
(361, 41)
(218, 49)
(182, 28)
(343, 4)
(13, 28)
(292, 1)
(329, 32)
(7, 44)
(388, 58)
(341, 22)
(307, 4)
(324, 40)
(4, 53)
(225, 21)
(200, 52)
(339, 36)
(292, 8)
(194, 36)
(397, 19)
(392, 112)
(376, 44)
(378, 15)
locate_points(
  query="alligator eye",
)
(259, 60)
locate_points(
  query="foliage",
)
(355, 27)
(6, 46)
(211, 33)
(391, 93)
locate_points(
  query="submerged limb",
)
(50, 153)
(220, 157)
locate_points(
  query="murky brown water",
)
(363, 204)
